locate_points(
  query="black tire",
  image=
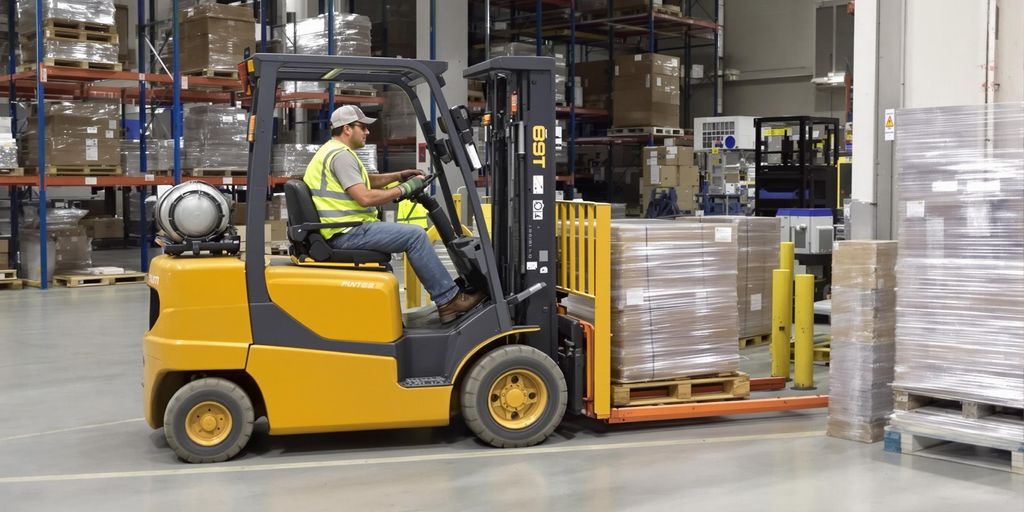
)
(475, 394)
(230, 397)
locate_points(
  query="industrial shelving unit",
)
(60, 83)
(587, 33)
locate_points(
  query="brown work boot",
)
(461, 304)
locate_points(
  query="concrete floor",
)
(72, 438)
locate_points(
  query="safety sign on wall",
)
(890, 124)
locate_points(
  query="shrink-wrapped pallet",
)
(159, 156)
(69, 248)
(309, 37)
(79, 51)
(530, 50)
(215, 138)
(863, 339)
(78, 134)
(757, 255)
(291, 159)
(96, 12)
(960, 270)
(673, 302)
(8, 146)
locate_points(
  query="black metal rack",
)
(800, 172)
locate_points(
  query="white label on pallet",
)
(635, 297)
(638, 57)
(184, 82)
(755, 302)
(90, 181)
(228, 181)
(92, 150)
(92, 129)
(915, 209)
(110, 134)
(944, 186)
(723, 234)
(112, 124)
(150, 177)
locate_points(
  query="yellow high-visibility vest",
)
(329, 197)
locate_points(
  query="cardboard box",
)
(660, 176)
(630, 108)
(594, 79)
(278, 230)
(277, 209)
(647, 63)
(238, 214)
(104, 227)
(5, 247)
(77, 134)
(217, 37)
(242, 230)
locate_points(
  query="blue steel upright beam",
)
(13, 106)
(176, 117)
(330, 51)
(41, 148)
(540, 28)
(143, 160)
(572, 94)
(263, 26)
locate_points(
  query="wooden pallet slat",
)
(79, 25)
(77, 170)
(213, 73)
(203, 172)
(16, 171)
(950, 447)
(72, 63)
(84, 280)
(72, 34)
(906, 400)
(725, 386)
(755, 341)
(11, 284)
(7, 274)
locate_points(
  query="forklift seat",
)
(304, 232)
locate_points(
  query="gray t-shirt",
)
(346, 169)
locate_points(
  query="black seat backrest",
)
(300, 203)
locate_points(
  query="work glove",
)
(410, 187)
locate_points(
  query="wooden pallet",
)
(76, 170)
(705, 388)
(215, 173)
(83, 280)
(366, 93)
(11, 284)
(72, 63)
(72, 34)
(213, 73)
(822, 351)
(17, 171)
(657, 131)
(8, 273)
(904, 400)
(755, 341)
(79, 25)
(953, 448)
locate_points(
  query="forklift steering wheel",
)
(426, 183)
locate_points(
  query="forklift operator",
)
(352, 195)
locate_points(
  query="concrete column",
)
(451, 46)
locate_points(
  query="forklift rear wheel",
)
(208, 420)
(514, 396)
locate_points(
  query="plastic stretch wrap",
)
(530, 50)
(998, 431)
(77, 134)
(159, 156)
(757, 246)
(100, 12)
(291, 159)
(673, 300)
(133, 207)
(68, 245)
(56, 218)
(368, 155)
(399, 118)
(863, 334)
(215, 138)
(960, 270)
(351, 38)
(216, 36)
(8, 146)
(60, 49)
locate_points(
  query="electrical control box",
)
(810, 229)
(723, 132)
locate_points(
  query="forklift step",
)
(424, 382)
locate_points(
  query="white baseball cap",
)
(349, 114)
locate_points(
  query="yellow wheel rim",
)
(517, 399)
(208, 423)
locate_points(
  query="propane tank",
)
(192, 211)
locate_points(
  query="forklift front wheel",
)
(208, 420)
(514, 396)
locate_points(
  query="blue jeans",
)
(413, 241)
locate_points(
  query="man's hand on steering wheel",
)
(410, 173)
(412, 186)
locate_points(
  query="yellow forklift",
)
(319, 342)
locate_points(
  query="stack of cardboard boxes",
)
(77, 134)
(275, 227)
(666, 167)
(863, 339)
(645, 91)
(215, 37)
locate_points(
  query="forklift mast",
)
(519, 171)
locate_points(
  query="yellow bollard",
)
(803, 347)
(782, 301)
(787, 262)
(786, 250)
